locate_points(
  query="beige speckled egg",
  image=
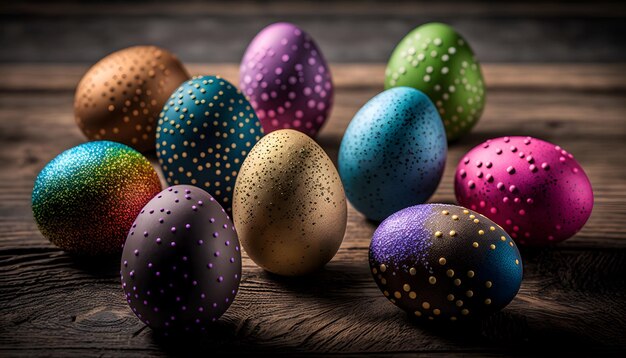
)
(121, 96)
(289, 206)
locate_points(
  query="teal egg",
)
(204, 133)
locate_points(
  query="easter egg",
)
(181, 264)
(444, 262)
(437, 60)
(205, 131)
(536, 190)
(121, 96)
(87, 197)
(289, 206)
(393, 153)
(287, 80)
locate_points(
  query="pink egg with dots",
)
(287, 80)
(534, 189)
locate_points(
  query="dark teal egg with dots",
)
(393, 153)
(445, 263)
(204, 133)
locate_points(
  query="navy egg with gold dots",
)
(204, 133)
(445, 262)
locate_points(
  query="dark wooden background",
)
(554, 71)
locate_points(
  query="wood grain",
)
(212, 31)
(572, 298)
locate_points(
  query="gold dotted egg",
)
(289, 206)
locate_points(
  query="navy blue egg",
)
(393, 153)
(204, 133)
(445, 262)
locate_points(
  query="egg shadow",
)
(97, 266)
(220, 338)
(328, 282)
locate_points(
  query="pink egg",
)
(535, 190)
(287, 80)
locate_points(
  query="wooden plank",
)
(214, 31)
(498, 76)
(603, 9)
(572, 296)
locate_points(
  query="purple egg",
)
(535, 190)
(445, 263)
(287, 80)
(181, 264)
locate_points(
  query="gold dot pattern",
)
(470, 273)
(290, 207)
(121, 96)
(204, 133)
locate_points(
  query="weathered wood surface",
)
(572, 297)
(346, 30)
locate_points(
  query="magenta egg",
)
(287, 80)
(534, 189)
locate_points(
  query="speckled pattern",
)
(445, 262)
(393, 153)
(289, 205)
(121, 96)
(181, 265)
(87, 197)
(536, 190)
(437, 60)
(205, 132)
(287, 79)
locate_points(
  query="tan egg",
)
(121, 96)
(289, 206)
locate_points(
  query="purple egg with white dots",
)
(181, 264)
(287, 80)
(534, 189)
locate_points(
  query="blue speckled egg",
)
(204, 133)
(445, 262)
(393, 153)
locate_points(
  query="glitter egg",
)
(205, 131)
(393, 153)
(121, 96)
(534, 189)
(289, 206)
(181, 264)
(444, 262)
(86, 198)
(437, 60)
(287, 79)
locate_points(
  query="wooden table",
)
(572, 297)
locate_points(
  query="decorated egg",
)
(87, 197)
(121, 96)
(393, 153)
(534, 189)
(289, 206)
(437, 60)
(444, 262)
(181, 264)
(287, 80)
(205, 131)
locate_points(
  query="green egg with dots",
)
(435, 59)
(205, 131)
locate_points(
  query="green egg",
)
(437, 60)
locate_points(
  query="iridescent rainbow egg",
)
(85, 200)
